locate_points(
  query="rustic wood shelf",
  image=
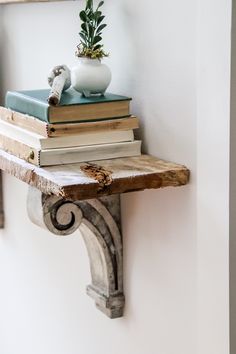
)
(86, 196)
(85, 180)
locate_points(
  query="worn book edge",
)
(69, 155)
(40, 142)
(72, 107)
(61, 129)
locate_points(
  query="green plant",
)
(91, 32)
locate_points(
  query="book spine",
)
(20, 150)
(88, 153)
(65, 129)
(38, 142)
(96, 139)
(25, 104)
(88, 112)
(127, 123)
(69, 155)
(24, 121)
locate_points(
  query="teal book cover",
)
(34, 102)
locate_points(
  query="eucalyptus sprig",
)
(91, 32)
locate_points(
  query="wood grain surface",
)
(81, 181)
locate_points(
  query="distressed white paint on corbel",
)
(99, 223)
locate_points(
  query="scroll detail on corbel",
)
(99, 223)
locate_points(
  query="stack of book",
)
(79, 129)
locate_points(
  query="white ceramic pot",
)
(90, 76)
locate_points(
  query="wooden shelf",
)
(86, 196)
(92, 180)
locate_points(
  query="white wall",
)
(43, 305)
(232, 225)
(213, 73)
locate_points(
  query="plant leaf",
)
(83, 16)
(100, 4)
(82, 35)
(101, 27)
(100, 19)
(91, 30)
(90, 15)
(98, 46)
(89, 4)
(84, 44)
(96, 39)
(97, 14)
(84, 27)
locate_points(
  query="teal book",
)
(72, 108)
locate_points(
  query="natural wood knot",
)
(98, 173)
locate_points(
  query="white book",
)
(69, 155)
(40, 142)
(89, 153)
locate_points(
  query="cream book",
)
(69, 155)
(41, 143)
(62, 129)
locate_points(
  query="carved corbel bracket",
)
(99, 223)
(98, 219)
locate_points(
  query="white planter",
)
(90, 77)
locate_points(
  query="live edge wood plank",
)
(91, 180)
